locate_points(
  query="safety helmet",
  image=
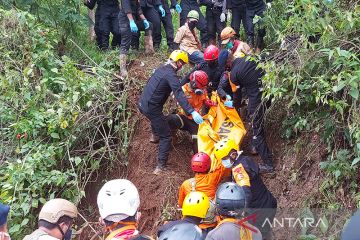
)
(118, 197)
(56, 208)
(198, 81)
(226, 34)
(195, 204)
(230, 199)
(201, 163)
(223, 148)
(186, 231)
(193, 14)
(211, 53)
(177, 55)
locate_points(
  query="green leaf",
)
(354, 93)
(14, 229)
(324, 225)
(355, 161)
(338, 87)
(337, 173)
(55, 135)
(24, 222)
(77, 161)
(55, 70)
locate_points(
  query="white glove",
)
(268, 4)
(222, 17)
(172, 11)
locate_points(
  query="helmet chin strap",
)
(61, 231)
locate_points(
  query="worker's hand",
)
(229, 104)
(197, 117)
(228, 97)
(133, 27)
(162, 11)
(210, 103)
(178, 8)
(222, 17)
(146, 24)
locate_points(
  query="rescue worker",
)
(182, 231)
(194, 209)
(55, 220)
(216, 19)
(206, 182)
(230, 207)
(235, 46)
(157, 90)
(106, 22)
(151, 10)
(4, 211)
(246, 173)
(131, 20)
(118, 202)
(238, 13)
(193, 5)
(187, 40)
(196, 94)
(210, 67)
(168, 24)
(255, 8)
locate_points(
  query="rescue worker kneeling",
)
(196, 94)
(118, 202)
(194, 210)
(230, 206)
(206, 182)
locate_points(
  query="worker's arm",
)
(186, 79)
(224, 84)
(242, 178)
(179, 94)
(90, 3)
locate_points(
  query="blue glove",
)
(162, 11)
(133, 27)
(146, 24)
(228, 97)
(229, 104)
(178, 8)
(197, 117)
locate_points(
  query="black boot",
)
(266, 168)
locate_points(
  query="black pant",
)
(238, 16)
(106, 22)
(179, 121)
(250, 14)
(168, 26)
(202, 25)
(127, 35)
(258, 134)
(214, 25)
(152, 15)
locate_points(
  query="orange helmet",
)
(226, 34)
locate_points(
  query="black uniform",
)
(259, 199)
(157, 90)
(238, 11)
(168, 24)
(244, 73)
(213, 11)
(187, 6)
(133, 7)
(150, 9)
(106, 22)
(255, 7)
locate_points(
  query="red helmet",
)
(201, 163)
(211, 53)
(199, 79)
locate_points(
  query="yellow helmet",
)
(179, 55)
(196, 204)
(223, 148)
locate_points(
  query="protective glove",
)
(172, 11)
(178, 8)
(197, 117)
(146, 24)
(268, 4)
(210, 103)
(229, 104)
(228, 97)
(162, 11)
(133, 26)
(222, 17)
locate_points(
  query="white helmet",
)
(118, 199)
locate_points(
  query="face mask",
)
(226, 163)
(192, 25)
(229, 45)
(68, 234)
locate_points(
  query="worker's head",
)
(227, 36)
(182, 231)
(178, 59)
(226, 150)
(56, 218)
(230, 200)
(4, 211)
(118, 200)
(198, 82)
(211, 55)
(201, 163)
(192, 19)
(196, 204)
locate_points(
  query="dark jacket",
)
(157, 90)
(244, 73)
(103, 4)
(235, 4)
(255, 4)
(150, 3)
(224, 87)
(131, 6)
